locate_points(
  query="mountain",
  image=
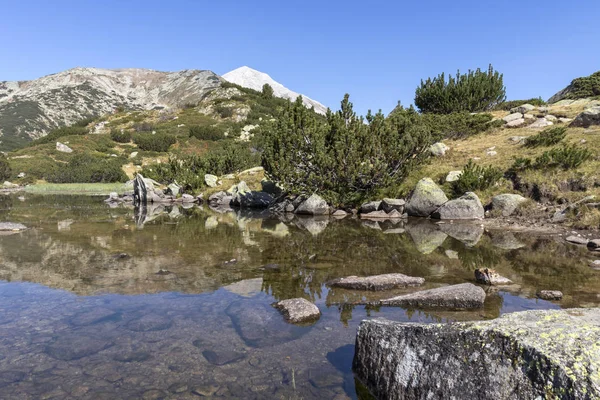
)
(30, 109)
(253, 79)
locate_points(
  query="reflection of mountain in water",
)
(82, 245)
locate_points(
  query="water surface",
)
(99, 302)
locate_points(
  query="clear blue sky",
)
(377, 51)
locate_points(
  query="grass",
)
(77, 188)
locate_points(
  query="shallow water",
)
(99, 302)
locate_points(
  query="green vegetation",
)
(267, 91)
(474, 91)
(77, 188)
(475, 177)
(79, 128)
(588, 86)
(566, 157)
(5, 170)
(120, 136)
(85, 168)
(508, 105)
(459, 125)
(154, 142)
(208, 132)
(547, 137)
(343, 158)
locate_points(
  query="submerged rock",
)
(525, 355)
(488, 276)
(222, 357)
(377, 282)
(425, 199)
(298, 310)
(464, 295)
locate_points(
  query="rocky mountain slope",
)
(29, 109)
(253, 79)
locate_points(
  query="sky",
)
(378, 51)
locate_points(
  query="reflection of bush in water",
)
(483, 255)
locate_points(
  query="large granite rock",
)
(252, 199)
(314, 205)
(467, 206)
(211, 180)
(507, 203)
(220, 199)
(389, 205)
(438, 149)
(587, 118)
(522, 109)
(377, 282)
(298, 311)
(513, 117)
(425, 199)
(461, 296)
(526, 355)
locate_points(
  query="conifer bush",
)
(475, 177)
(120, 136)
(547, 137)
(154, 142)
(475, 91)
(207, 132)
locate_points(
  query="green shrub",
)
(343, 158)
(56, 134)
(588, 86)
(475, 177)
(85, 168)
(144, 127)
(474, 91)
(547, 137)
(459, 125)
(267, 91)
(120, 136)
(5, 170)
(207, 132)
(508, 105)
(565, 157)
(154, 142)
(224, 111)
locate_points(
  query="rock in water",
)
(507, 203)
(377, 282)
(314, 205)
(464, 295)
(425, 199)
(260, 325)
(526, 355)
(488, 276)
(550, 294)
(298, 310)
(467, 206)
(369, 207)
(252, 199)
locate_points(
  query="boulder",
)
(220, 199)
(369, 207)
(565, 120)
(453, 176)
(438, 149)
(550, 294)
(507, 203)
(540, 123)
(21, 175)
(339, 214)
(298, 310)
(314, 205)
(252, 199)
(488, 276)
(593, 244)
(389, 205)
(464, 295)
(550, 354)
(577, 240)
(377, 282)
(9, 185)
(188, 198)
(175, 189)
(587, 118)
(12, 226)
(425, 199)
(522, 109)
(270, 187)
(63, 148)
(551, 118)
(529, 116)
(240, 188)
(211, 180)
(512, 117)
(133, 154)
(467, 206)
(515, 123)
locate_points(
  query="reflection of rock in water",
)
(505, 240)
(246, 287)
(260, 325)
(469, 234)
(314, 225)
(426, 235)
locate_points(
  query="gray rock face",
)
(298, 310)
(489, 276)
(369, 207)
(464, 295)
(211, 180)
(377, 282)
(425, 199)
(63, 148)
(525, 355)
(467, 206)
(314, 205)
(587, 118)
(438, 149)
(389, 205)
(507, 203)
